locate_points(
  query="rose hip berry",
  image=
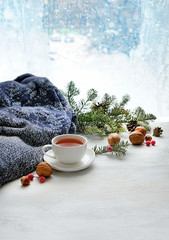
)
(153, 142)
(109, 148)
(148, 143)
(30, 176)
(42, 179)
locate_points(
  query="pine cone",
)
(157, 132)
(131, 125)
(98, 105)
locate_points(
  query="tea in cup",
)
(67, 148)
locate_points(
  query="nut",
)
(44, 169)
(113, 139)
(25, 180)
(141, 129)
(148, 138)
(136, 138)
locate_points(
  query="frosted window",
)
(115, 46)
(108, 25)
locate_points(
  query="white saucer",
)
(86, 161)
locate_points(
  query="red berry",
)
(41, 179)
(109, 148)
(30, 176)
(153, 142)
(148, 143)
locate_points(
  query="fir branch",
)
(100, 149)
(72, 91)
(108, 100)
(106, 116)
(125, 100)
(93, 130)
(119, 149)
(91, 95)
(140, 115)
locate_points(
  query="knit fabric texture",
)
(32, 112)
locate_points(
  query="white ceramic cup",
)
(65, 154)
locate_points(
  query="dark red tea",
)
(69, 142)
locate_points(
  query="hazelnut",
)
(25, 180)
(141, 129)
(148, 138)
(136, 138)
(44, 169)
(113, 139)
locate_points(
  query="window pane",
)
(114, 46)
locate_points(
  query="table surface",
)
(120, 199)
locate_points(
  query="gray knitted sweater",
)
(32, 112)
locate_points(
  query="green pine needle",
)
(107, 115)
(119, 149)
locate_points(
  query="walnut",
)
(113, 139)
(141, 129)
(44, 169)
(136, 138)
(148, 138)
(25, 180)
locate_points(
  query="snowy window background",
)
(114, 46)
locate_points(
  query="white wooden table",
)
(114, 199)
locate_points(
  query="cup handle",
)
(47, 154)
